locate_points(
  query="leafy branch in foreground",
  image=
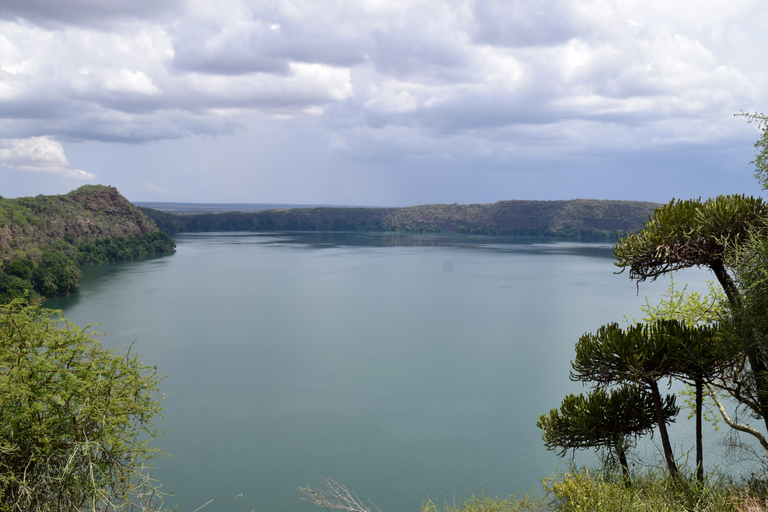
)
(76, 419)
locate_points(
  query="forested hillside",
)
(45, 239)
(579, 218)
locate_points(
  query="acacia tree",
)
(75, 418)
(612, 418)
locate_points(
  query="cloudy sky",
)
(381, 102)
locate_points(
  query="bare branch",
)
(335, 496)
(738, 426)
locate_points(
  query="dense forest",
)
(45, 239)
(578, 219)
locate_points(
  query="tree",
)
(700, 356)
(76, 418)
(711, 234)
(642, 354)
(713, 359)
(603, 418)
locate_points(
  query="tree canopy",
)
(691, 233)
(603, 418)
(720, 234)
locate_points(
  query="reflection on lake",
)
(405, 366)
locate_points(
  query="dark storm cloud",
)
(171, 125)
(100, 125)
(90, 13)
(36, 108)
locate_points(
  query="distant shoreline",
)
(181, 208)
(579, 219)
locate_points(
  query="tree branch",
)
(738, 426)
(335, 496)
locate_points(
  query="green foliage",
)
(588, 491)
(87, 190)
(75, 418)
(722, 234)
(482, 503)
(761, 158)
(703, 339)
(690, 308)
(689, 233)
(20, 268)
(582, 490)
(642, 354)
(603, 418)
(88, 213)
(57, 272)
(122, 249)
(750, 263)
(645, 352)
(12, 287)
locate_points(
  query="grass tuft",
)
(652, 491)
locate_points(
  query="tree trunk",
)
(756, 363)
(624, 466)
(699, 444)
(729, 287)
(662, 421)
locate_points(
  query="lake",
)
(407, 367)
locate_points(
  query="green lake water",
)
(408, 367)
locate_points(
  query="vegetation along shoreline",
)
(45, 239)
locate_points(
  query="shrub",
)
(75, 418)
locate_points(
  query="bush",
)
(75, 418)
(589, 491)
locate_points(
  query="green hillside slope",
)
(45, 239)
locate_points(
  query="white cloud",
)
(483, 70)
(306, 85)
(79, 174)
(525, 23)
(129, 82)
(38, 154)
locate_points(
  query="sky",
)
(381, 102)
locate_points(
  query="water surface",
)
(408, 367)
